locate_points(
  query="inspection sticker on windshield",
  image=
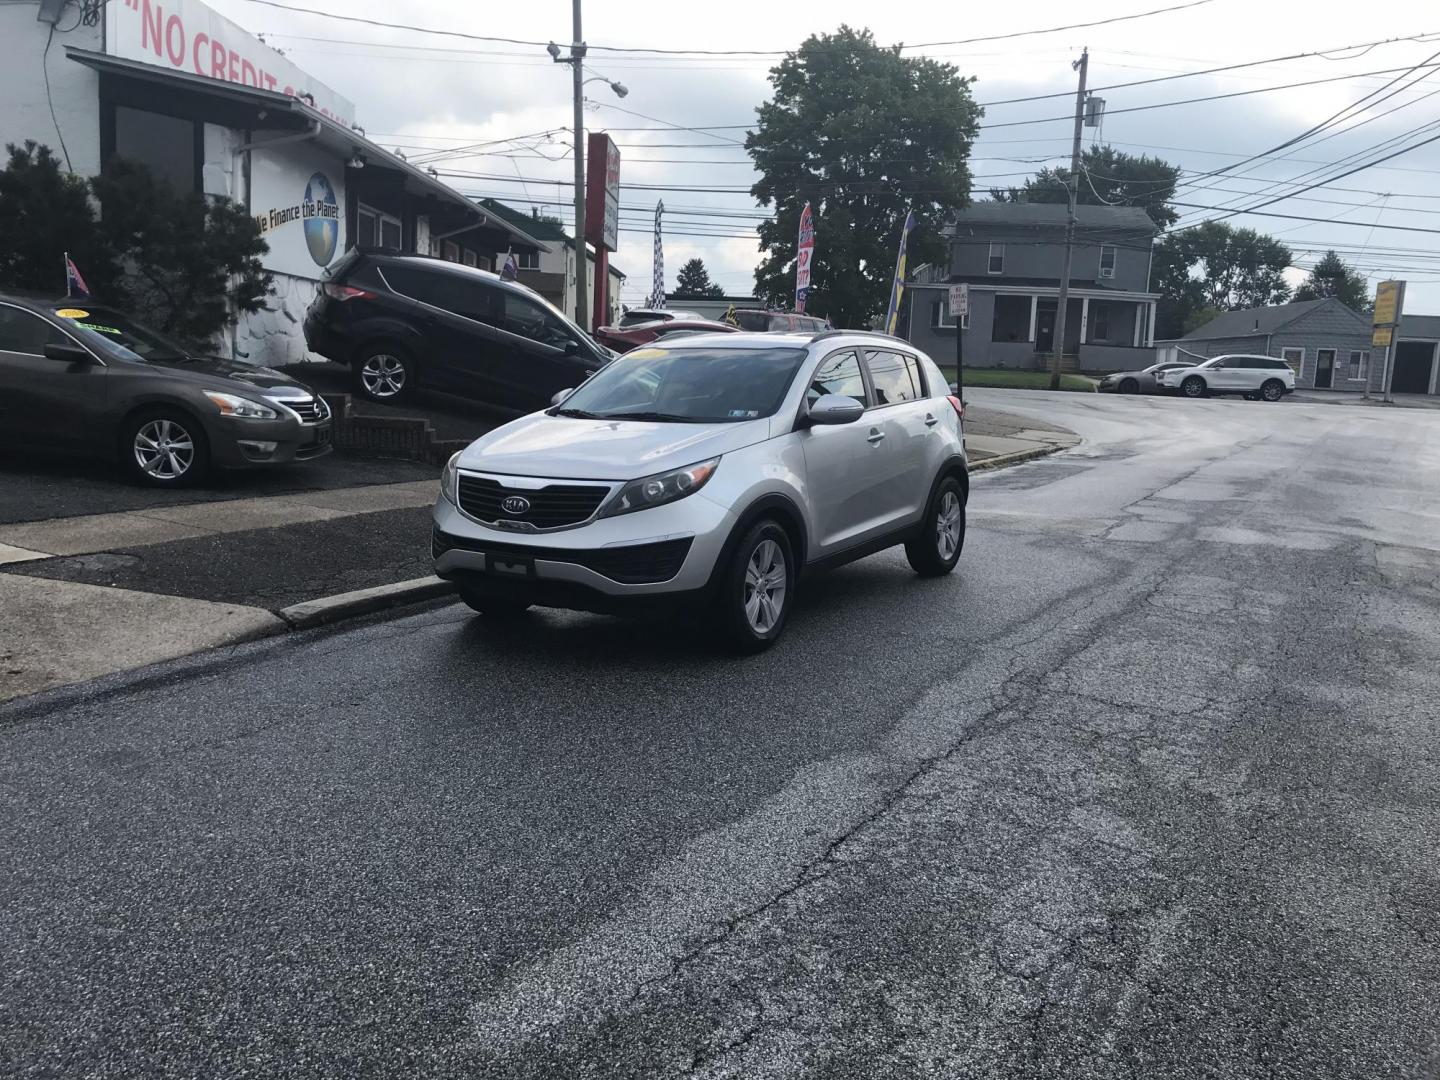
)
(72, 313)
(744, 414)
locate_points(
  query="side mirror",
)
(572, 348)
(834, 409)
(561, 396)
(67, 353)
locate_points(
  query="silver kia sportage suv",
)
(718, 471)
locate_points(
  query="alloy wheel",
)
(163, 449)
(1271, 391)
(383, 375)
(947, 526)
(765, 585)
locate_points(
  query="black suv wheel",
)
(385, 373)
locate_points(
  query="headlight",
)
(660, 489)
(450, 478)
(240, 408)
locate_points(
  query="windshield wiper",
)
(658, 417)
(578, 414)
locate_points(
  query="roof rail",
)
(826, 334)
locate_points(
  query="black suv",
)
(406, 321)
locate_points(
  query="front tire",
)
(756, 589)
(1272, 390)
(164, 448)
(385, 374)
(936, 550)
(1193, 387)
(496, 608)
(1129, 386)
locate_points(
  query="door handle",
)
(875, 436)
(930, 420)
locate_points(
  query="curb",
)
(329, 609)
(1016, 458)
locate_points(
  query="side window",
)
(839, 374)
(25, 332)
(447, 291)
(529, 319)
(892, 379)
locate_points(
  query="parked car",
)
(1255, 377)
(715, 474)
(624, 338)
(1146, 381)
(79, 377)
(401, 322)
(637, 316)
(761, 321)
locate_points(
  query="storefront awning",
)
(280, 112)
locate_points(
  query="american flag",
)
(657, 283)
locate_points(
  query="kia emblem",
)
(515, 504)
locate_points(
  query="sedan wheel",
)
(165, 450)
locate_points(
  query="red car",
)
(623, 339)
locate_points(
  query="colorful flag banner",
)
(897, 287)
(75, 286)
(804, 252)
(657, 282)
(511, 269)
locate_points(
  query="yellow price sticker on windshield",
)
(72, 313)
(645, 354)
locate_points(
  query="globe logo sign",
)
(321, 214)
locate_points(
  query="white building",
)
(211, 108)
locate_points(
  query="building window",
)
(940, 315)
(166, 144)
(468, 258)
(1359, 363)
(1293, 357)
(1100, 320)
(528, 260)
(451, 251)
(1012, 319)
(377, 229)
(1107, 261)
(997, 259)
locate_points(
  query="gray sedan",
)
(1137, 382)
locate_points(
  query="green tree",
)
(45, 212)
(693, 282)
(1108, 177)
(1215, 266)
(1331, 276)
(191, 262)
(865, 135)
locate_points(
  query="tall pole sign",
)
(602, 214)
(1389, 307)
(804, 252)
(959, 311)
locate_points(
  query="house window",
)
(377, 229)
(1293, 357)
(450, 252)
(997, 259)
(1100, 320)
(1107, 260)
(940, 315)
(468, 258)
(1359, 363)
(528, 260)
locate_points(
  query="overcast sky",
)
(427, 94)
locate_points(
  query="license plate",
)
(511, 566)
(321, 437)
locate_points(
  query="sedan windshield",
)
(117, 335)
(688, 384)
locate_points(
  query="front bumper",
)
(249, 444)
(668, 551)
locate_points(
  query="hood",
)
(571, 449)
(217, 372)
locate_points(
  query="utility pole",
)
(577, 64)
(1072, 196)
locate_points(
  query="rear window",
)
(896, 378)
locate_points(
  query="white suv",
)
(717, 470)
(1254, 376)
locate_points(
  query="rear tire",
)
(496, 608)
(1272, 390)
(1193, 387)
(756, 589)
(936, 550)
(164, 448)
(384, 374)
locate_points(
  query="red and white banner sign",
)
(185, 35)
(804, 252)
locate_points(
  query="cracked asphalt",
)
(1149, 788)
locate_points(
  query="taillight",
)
(959, 406)
(345, 292)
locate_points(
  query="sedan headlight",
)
(660, 489)
(450, 478)
(240, 408)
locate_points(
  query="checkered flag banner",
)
(657, 283)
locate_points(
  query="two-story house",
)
(1010, 255)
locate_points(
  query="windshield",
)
(688, 384)
(119, 336)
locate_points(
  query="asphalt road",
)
(1149, 788)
